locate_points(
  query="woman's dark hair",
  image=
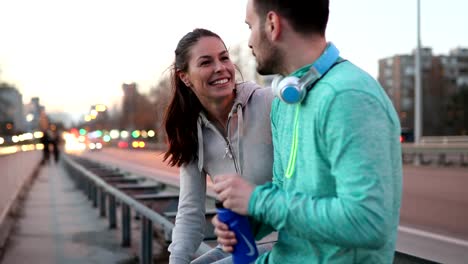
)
(180, 119)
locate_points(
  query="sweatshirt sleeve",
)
(261, 229)
(188, 232)
(358, 136)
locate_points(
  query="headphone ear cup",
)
(274, 85)
(289, 90)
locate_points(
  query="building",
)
(33, 112)
(455, 78)
(11, 110)
(442, 78)
(456, 68)
(129, 105)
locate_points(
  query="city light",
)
(2, 141)
(26, 136)
(29, 117)
(9, 150)
(114, 134)
(38, 134)
(136, 134)
(29, 147)
(124, 134)
(73, 144)
(101, 108)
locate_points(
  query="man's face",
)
(265, 52)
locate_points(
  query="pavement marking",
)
(434, 236)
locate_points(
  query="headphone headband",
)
(320, 66)
(292, 90)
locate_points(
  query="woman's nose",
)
(219, 66)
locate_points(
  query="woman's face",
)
(210, 74)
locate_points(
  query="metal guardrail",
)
(444, 154)
(96, 179)
(99, 190)
(444, 139)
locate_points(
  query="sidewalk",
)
(57, 224)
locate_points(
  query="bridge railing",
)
(443, 151)
(444, 140)
(90, 179)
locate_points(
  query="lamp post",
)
(417, 81)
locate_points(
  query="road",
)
(434, 212)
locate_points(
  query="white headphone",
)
(292, 90)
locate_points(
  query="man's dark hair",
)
(304, 16)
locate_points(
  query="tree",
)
(160, 95)
(457, 112)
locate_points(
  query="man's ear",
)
(273, 25)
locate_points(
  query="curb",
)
(9, 215)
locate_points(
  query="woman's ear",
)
(184, 77)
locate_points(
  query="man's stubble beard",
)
(271, 57)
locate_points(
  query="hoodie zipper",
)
(228, 149)
(228, 142)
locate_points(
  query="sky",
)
(74, 54)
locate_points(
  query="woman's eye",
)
(203, 63)
(225, 58)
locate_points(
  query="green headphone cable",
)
(292, 154)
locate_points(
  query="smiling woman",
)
(214, 126)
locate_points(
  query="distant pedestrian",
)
(45, 140)
(55, 141)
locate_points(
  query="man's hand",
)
(234, 192)
(226, 238)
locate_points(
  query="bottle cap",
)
(219, 204)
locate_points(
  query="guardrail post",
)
(416, 160)
(126, 225)
(112, 212)
(82, 184)
(146, 248)
(88, 188)
(442, 159)
(95, 195)
(102, 202)
(462, 160)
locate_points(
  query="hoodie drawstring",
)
(200, 143)
(240, 135)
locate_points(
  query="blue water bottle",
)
(245, 251)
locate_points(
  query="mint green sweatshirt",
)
(342, 202)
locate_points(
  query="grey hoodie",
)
(247, 150)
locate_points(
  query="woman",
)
(214, 126)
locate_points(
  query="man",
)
(337, 172)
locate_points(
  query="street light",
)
(417, 81)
